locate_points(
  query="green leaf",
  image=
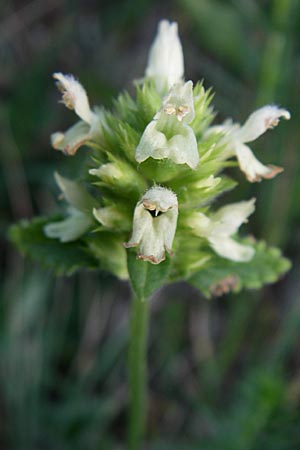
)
(221, 275)
(62, 258)
(146, 277)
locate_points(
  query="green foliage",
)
(61, 258)
(220, 276)
(145, 277)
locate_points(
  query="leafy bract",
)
(61, 258)
(219, 275)
(145, 277)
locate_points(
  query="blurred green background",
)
(223, 374)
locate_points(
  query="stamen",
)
(179, 111)
(271, 123)
(67, 97)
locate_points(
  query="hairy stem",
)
(137, 372)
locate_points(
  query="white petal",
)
(181, 148)
(254, 169)
(260, 121)
(165, 62)
(142, 221)
(180, 102)
(74, 96)
(70, 141)
(75, 194)
(230, 249)
(167, 224)
(69, 229)
(228, 219)
(153, 143)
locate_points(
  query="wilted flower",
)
(236, 136)
(74, 97)
(154, 224)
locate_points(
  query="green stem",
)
(137, 372)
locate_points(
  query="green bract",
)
(155, 167)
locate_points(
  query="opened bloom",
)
(168, 135)
(154, 224)
(220, 226)
(236, 136)
(165, 62)
(74, 97)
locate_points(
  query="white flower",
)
(79, 220)
(220, 226)
(165, 62)
(236, 136)
(70, 229)
(74, 97)
(168, 135)
(154, 224)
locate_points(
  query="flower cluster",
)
(156, 167)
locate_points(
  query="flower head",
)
(154, 224)
(165, 62)
(157, 138)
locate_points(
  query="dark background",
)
(223, 374)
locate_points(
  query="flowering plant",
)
(144, 207)
(154, 171)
